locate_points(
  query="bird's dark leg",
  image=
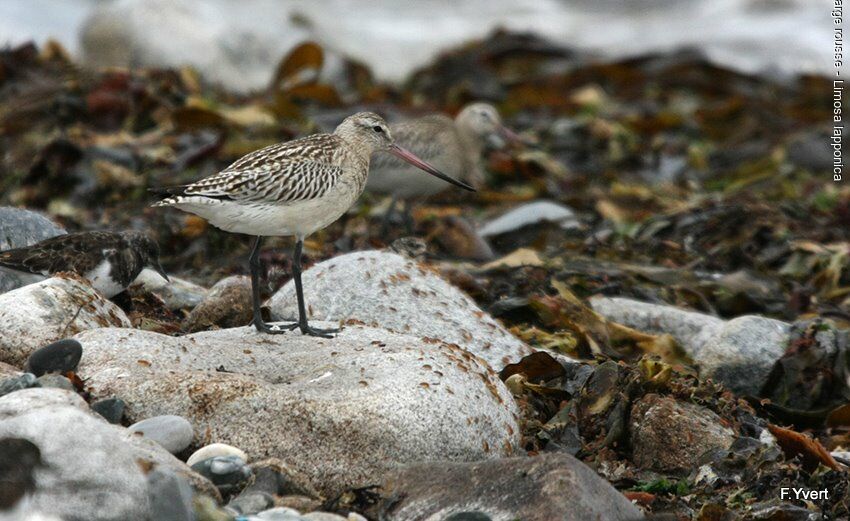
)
(254, 263)
(299, 291)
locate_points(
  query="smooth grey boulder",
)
(738, 353)
(19, 228)
(341, 411)
(549, 487)
(386, 290)
(94, 470)
(44, 312)
(174, 433)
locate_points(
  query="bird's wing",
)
(297, 170)
(71, 252)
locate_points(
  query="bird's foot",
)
(274, 329)
(306, 329)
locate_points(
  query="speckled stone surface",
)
(19, 228)
(39, 314)
(94, 469)
(384, 289)
(738, 353)
(343, 411)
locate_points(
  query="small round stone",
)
(16, 383)
(251, 502)
(228, 473)
(110, 408)
(174, 433)
(58, 357)
(56, 381)
(215, 449)
(280, 514)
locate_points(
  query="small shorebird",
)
(111, 261)
(293, 189)
(454, 146)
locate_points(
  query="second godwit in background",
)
(454, 146)
(293, 189)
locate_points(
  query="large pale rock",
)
(738, 353)
(94, 470)
(343, 411)
(549, 487)
(19, 228)
(39, 314)
(387, 290)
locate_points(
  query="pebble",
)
(170, 497)
(110, 408)
(215, 449)
(280, 514)
(469, 516)
(174, 433)
(279, 479)
(251, 502)
(323, 516)
(16, 383)
(56, 381)
(228, 473)
(58, 357)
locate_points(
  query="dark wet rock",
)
(228, 473)
(469, 516)
(19, 228)
(527, 224)
(386, 290)
(275, 477)
(811, 151)
(228, 304)
(172, 432)
(94, 470)
(251, 502)
(112, 409)
(543, 488)
(739, 353)
(308, 400)
(215, 449)
(39, 314)
(55, 381)
(669, 435)
(16, 383)
(58, 357)
(170, 497)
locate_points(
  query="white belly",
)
(300, 218)
(101, 281)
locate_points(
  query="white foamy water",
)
(238, 40)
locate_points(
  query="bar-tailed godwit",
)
(293, 189)
(454, 146)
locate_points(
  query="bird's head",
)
(482, 121)
(148, 250)
(370, 131)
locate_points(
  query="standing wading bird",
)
(110, 260)
(454, 146)
(293, 189)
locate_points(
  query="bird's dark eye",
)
(377, 129)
